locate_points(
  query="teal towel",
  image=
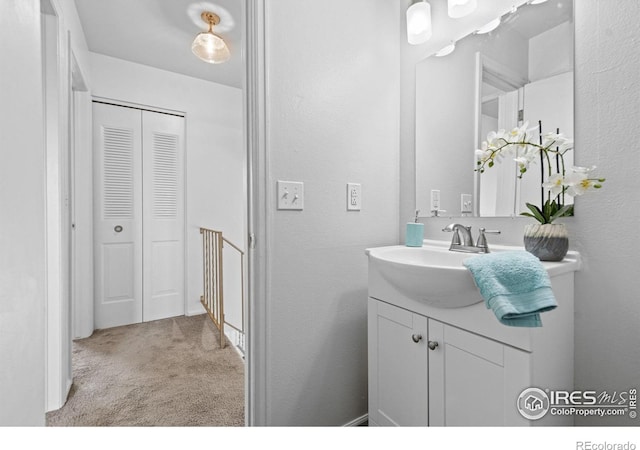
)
(515, 285)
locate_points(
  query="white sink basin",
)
(435, 275)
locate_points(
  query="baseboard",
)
(197, 312)
(63, 399)
(357, 421)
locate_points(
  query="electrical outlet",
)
(290, 195)
(354, 197)
(466, 203)
(435, 200)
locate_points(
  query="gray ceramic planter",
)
(549, 242)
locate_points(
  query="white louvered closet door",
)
(163, 217)
(138, 215)
(117, 141)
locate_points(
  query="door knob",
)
(432, 345)
(416, 338)
(117, 228)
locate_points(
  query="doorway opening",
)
(215, 176)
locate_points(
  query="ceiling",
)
(532, 20)
(159, 33)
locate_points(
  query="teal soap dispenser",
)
(415, 233)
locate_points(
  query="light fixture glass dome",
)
(419, 28)
(207, 45)
(461, 8)
(210, 47)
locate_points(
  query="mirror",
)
(522, 71)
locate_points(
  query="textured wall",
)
(607, 116)
(332, 90)
(22, 221)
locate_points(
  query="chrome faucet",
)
(467, 245)
(456, 228)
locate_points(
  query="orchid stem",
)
(541, 165)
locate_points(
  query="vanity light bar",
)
(446, 50)
(489, 27)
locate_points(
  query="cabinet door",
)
(473, 381)
(398, 366)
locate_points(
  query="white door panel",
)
(117, 215)
(163, 207)
(119, 269)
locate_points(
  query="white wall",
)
(607, 105)
(607, 135)
(22, 221)
(551, 52)
(332, 118)
(216, 158)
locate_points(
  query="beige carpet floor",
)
(170, 372)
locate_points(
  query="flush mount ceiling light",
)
(489, 27)
(461, 8)
(446, 50)
(207, 45)
(419, 23)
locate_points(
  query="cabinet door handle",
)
(416, 338)
(432, 345)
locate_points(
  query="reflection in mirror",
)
(521, 71)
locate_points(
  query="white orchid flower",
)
(555, 184)
(483, 155)
(496, 139)
(518, 133)
(557, 141)
(526, 147)
(578, 184)
(528, 155)
(578, 181)
(523, 163)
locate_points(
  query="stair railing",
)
(213, 288)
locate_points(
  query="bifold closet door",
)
(117, 142)
(138, 215)
(163, 215)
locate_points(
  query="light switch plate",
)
(354, 197)
(290, 195)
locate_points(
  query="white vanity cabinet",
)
(438, 366)
(425, 372)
